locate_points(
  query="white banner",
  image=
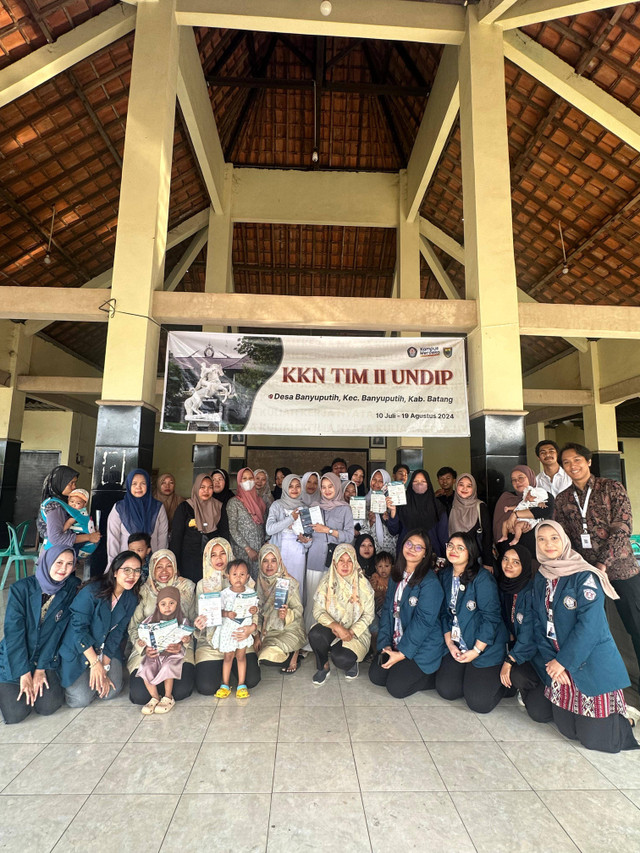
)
(295, 385)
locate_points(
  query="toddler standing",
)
(235, 635)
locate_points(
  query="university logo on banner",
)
(295, 385)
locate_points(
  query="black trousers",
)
(480, 686)
(525, 679)
(15, 712)
(209, 674)
(182, 687)
(628, 606)
(320, 639)
(606, 734)
(403, 679)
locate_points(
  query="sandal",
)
(289, 670)
(165, 705)
(223, 691)
(242, 692)
(150, 707)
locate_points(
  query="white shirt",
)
(560, 481)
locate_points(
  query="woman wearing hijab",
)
(246, 516)
(422, 511)
(137, 512)
(311, 495)
(584, 673)
(165, 492)
(279, 527)
(53, 515)
(336, 529)
(195, 522)
(376, 523)
(262, 486)
(365, 548)
(280, 634)
(357, 475)
(163, 573)
(36, 616)
(221, 488)
(523, 668)
(343, 610)
(280, 474)
(471, 515)
(521, 478)
(216, 556)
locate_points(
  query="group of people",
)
(429, 588)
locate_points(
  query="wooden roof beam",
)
(192, 251)
(591, 321)
(526, 12)
(583, 94)
(437, 121)
(435, 23)
(617, 393)
(489, 11)
(441, 275)
(36, 68)
(193, 97)
(438, 237)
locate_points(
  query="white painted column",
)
(600, 431)
(495, 373)
(138, 270)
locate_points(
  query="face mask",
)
(420, 488)
(247, 485)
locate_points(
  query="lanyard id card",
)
(585, 540)
(455, 633)
(551, 628)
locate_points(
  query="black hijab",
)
(226, 494)
(277, 490)
(362, 488)
(510, 587)
(56, 481)
(368, 566)
(421, 511)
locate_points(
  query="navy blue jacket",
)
(420, 606)
(524, 646)
(438, 535)
(27, 644)
(93, 623)
(587, 649)
(479, 615)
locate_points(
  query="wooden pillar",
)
(15, 351)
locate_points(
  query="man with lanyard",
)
(552, 478)
(595, 512)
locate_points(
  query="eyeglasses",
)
(130, 572)
(457, 548)
(412, 547)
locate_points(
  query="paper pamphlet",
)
(397, 493)
(209, 604)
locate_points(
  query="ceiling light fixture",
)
(565, 268)
(314, 154)
(47, 257)
(326, 8)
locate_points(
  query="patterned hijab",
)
(314, 498)
(265, 491)
(169, 502)
(251, 500)
(207, 567)
(266, 587)
(138, 515)
(342, 600)
(464, 511)
(207, 513)
(174, 580)
(569, 562)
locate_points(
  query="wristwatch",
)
(106, 667)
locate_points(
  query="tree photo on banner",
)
(295, 385)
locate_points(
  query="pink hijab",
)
(251, 500)
(337, 499)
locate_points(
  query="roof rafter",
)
(527, 12)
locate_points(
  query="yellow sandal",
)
(222, 692)
(242, 692)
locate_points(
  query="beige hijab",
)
(207, 513)
(207, 568)
(266, 588)
(569, 562)
(343, 593)
(170, 503)
(161, 554)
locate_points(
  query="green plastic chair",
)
(21, 532)
(16, 557)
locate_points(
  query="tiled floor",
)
(342, 768)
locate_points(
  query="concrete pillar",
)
(600, 431)
(126, 420)
(15, 352)
(495, 372)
